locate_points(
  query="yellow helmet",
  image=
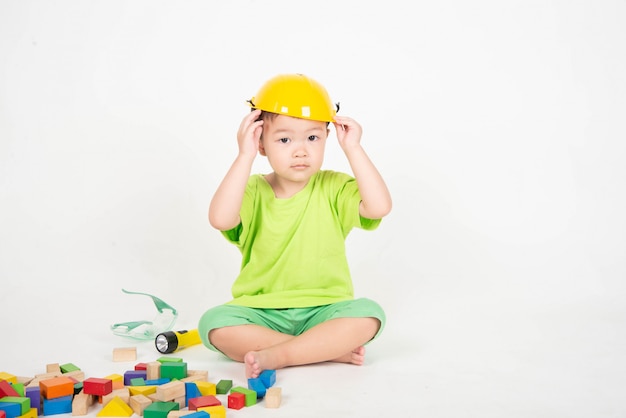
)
(295, 95)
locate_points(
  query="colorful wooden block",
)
(10, 410)
(141, 366)
(218, 411)
(69, 367)
(8, 377)
(223, 386)
(206, 388)
(123, 394)
(32, 413)
(166, 359)
(116, 408)
(174, 370)
(257, 385)
(35, 396)
(57, 387)
(160, 409)
(144, 390)
(273, 397)
(196, 414)
(236, 400)
(7, 389)
(268, 377)
(249, 394)
(133, 374)
(97, 386)
(117, 381)
(59, 405)
(22, 401)
(203, 401)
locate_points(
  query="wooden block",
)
(68, 367)
(125, 354)
(138, 403)
(57, 387)
(53, 368)
(116, 408)
(198, 374)
(236, 400)
(61, 405)
(170, 391)
(218, 411)
(22, 401)
(223, 387)
(203, 401)
(7, 390)
(7, 377)
(273, 397)
(250, 394)
(123, 394)
(97, 386)
(160, 409)
(186, 413)
(206, 388)
(117, 380)
(77, 375)
(142, 390)
(174, 370)
(81, 404)
(153, 370)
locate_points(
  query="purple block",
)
(35, 397)
(134, 374)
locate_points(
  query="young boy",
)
(293, 300)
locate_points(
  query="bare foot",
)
(253, 365)
(356, 356)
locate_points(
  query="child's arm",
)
(226, 203)
(375, 197)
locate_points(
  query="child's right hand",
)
(249, 134)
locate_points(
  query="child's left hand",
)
(348, 132)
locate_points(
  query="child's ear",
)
(261, 148)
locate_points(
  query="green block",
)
(169, 360)
(78, 387)
(138, 381)
(68, 367)
(249, 394)
(223, 386)
(160, 409)
(174, 370)
(19, 388)
(23, 402)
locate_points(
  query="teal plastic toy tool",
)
(147, 330)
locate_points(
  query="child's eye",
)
(284, 140)
(313, 138)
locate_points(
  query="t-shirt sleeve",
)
(348, 202)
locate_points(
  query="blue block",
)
(158, 382)
(62, 405)
(191, 391)
(133, 374)
(257, 386)
(268, 377)
(198, 414)
(12, 410)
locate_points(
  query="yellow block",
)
(206, 388)
(30, 414)
(8, 377)
(116, 408)
(218, 411)
(117, 379)
(142, 390)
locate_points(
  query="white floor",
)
(460, 363)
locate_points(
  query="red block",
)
(236, 400)
(203, 401)
(6, 389)
(96, 386)
(2, 414)
(141, 366)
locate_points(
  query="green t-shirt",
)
(293, 250)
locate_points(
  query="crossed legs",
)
(261, 348)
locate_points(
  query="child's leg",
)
(236, 341)
(339, 339)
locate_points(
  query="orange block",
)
(56, 387)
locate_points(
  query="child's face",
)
(294, 147)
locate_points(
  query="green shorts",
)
(292, 321)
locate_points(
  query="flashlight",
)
(170, 341)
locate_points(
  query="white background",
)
(498, 125)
